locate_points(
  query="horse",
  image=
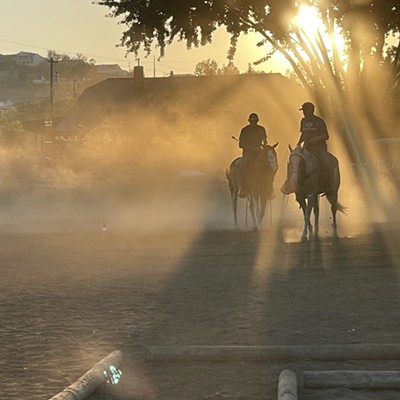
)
(303, 177)
(259, 181)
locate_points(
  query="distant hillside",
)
(25, 79)
(30, 95)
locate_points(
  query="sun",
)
(308, 21)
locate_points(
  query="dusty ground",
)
(182, 276)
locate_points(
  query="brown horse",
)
(303, 177)
(260, 180)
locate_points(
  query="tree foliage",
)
(206, 68)
(195, 21)
(210, 67)
(9, 126)
(67, 67)
(78, 66)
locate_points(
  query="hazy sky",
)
(78, 26)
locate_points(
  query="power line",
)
(63, 52)
(115, 59)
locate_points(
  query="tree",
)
(75, 67)
(68, 68)
(206, 67)
(10, 128)
(210, 67)
(229, 69)
(343, 82)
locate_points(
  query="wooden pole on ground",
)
(353, 379)
(287, 385)
(92, 379)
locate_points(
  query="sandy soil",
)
(69, 298)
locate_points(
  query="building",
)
(27, 59)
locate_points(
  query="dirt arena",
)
(171, 270)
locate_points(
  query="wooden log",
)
(92, 379)
(271, 353)
(287, 385)
(353, 379)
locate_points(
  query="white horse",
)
(303, 177)
(259, 181)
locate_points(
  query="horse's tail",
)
(341, 208)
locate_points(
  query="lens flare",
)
(113, 375)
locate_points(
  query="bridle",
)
(272, 160)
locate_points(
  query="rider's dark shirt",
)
(252, 137)
(311, 127)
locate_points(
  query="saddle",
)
(328, 171)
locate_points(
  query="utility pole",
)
(49, 122)
(52, 61)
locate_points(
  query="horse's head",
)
(295, 168)
(270, 155)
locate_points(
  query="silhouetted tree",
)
(206, 67)
(229, 69)
(77, 67)
(210, 67)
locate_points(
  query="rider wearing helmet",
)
(251, 139)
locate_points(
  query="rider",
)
(251, 138)
(314, 134)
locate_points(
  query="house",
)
(27, 59)
(23, 58)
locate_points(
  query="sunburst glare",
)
(309, 20)
(310, 24)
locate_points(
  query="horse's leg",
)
(306, 214)
(303, 205)
(263, 203)
(234, 206)
(310, 201)
(259, 212)
(334, 225)
(256, 213)
(253, 212)
(333, 198)
(316, 215)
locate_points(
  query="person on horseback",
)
(314, 134)
(251, 139)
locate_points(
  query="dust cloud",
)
(159, 165)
